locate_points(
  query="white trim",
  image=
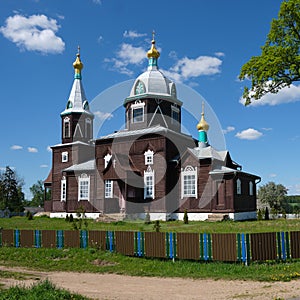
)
(63, 189)
(68, 135)
(76, 129)
(189, 171)
(107, 158)
(83, 192)
(158, 108)
(64, 156)
(149, 157)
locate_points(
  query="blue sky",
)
(203, 45)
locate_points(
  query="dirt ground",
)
(119, 287)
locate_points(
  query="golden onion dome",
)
(153, 51)
(78, 65)
(202, 125)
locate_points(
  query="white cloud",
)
(127, 55)
(100, 39)
(32, 150)
(186, 68)
(220, 54)
(285, 95)
(33, 33)
(133, 34)
(99, 2)
(43, 166)
(228, 129)
(16, 147)
(249, 134)
(272, 175)
(103, 115)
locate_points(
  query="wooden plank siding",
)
(97, 239)
(263, 246)
(155, 244)
(295, 244)
(8, 237)
(188, 246)
(125, 242)
(224, 247)
(26, 238)
(48, 238)
(72, 239)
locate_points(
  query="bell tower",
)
(77, 119)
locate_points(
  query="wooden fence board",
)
(72, 239)
(125, 242)
(8, 237)
(155, 244)
(263, 246)
(26, 238)
(224, 247)
(48, 238)
(188, 246)
(295, 244)
(97, 239)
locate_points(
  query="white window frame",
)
(63, 189)
(149, 157)
(109, 188)
(189, 176)
(84, 187)
(67, 134)
(136, 106)
(251, 188)
(149, 178)
(64, 156)
(238, 186)
(174, 109)
(107, 158)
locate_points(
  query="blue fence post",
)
(59, 239)
(37, 239)
(283, 249)
(205, 252)
(110, 241)
(83, 239)
(17, 238)
(139, 246)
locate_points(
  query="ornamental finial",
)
(153, 53)
(78, 65)
(202, 125)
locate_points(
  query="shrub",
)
(267, 215)
(185, 217)
(259, 215)
(156, 226)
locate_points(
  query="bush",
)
(267, 215)
(156, 226)
(71, 218)
(259, 215)
(185, 217)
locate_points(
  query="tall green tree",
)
(11, 193)
(272, 194)
(37, 191)
(278, 66)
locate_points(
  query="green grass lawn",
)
(96, 261)
(43, 223)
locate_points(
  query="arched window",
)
(189, 182)
(139, 88)
(250, 188)
(64, 156)
(66, 129)
(238, 187)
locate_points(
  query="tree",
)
(278, 66)
(272, 194)
(11, 193)
(37, 191)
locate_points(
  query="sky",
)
(203, 45)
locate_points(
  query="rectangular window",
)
(238, 187)
(109, 189)
(63, 190)
(149, 186)
(138, 115)
(84, 189)
(189, 185)
(175, 115)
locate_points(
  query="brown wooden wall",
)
(125, 242)
(49, 239)
(8, 237)
(97, 239)
(295, 244)
(155, 244)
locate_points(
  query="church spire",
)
(153, 54)
(203, 127)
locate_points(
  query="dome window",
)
(69, 104)
(139, 88)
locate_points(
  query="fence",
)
(193, 246)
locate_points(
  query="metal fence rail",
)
(231, 247)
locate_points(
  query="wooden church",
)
(150, 166)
